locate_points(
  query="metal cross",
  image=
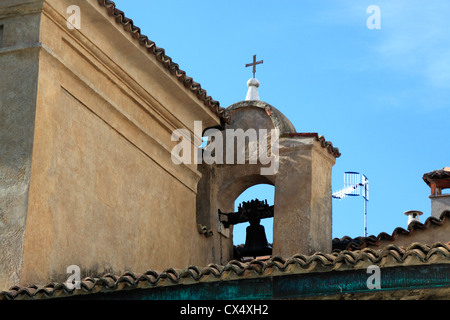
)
(254, 64)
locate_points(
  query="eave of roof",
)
(391, 256)
(325, 144)
(165, 60)
(436, 175)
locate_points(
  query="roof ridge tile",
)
(360, 243)
(389, 256)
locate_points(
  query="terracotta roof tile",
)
(325, 144)
(348, 243)
(165, 60)
(390, 256)
(437, 174)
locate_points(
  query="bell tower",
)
(299, 167)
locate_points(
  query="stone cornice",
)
(13, 9)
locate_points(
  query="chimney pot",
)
(413, 215)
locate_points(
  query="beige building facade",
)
(86, 176)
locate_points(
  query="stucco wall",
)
(19, 53)
(94, 182)
(303, 206)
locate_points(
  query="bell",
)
(256, 241)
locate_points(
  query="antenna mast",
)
(353, 183)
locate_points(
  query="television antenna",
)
(354, 183)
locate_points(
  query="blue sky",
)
(381, 96)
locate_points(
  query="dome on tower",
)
(252, 110)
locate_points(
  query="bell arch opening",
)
(261, 192)
(254, 238)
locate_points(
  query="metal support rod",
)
(365, 210)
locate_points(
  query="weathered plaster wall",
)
(303, 206)
(321, 198)
(90, 153)
(293, 210)
(19, 52)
